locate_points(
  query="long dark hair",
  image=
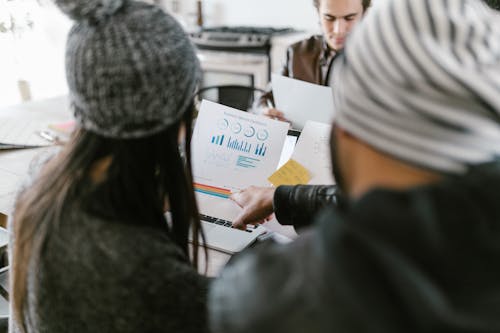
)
(142, 175)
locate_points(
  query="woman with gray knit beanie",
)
(92, 250)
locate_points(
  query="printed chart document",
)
(313, 152)
(24, 125)
(301, 101)
(232, 150)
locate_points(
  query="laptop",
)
(231, 150)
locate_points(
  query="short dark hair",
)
(367, 3)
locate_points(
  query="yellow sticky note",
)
(291, 173)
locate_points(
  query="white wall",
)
(43, 64)
(300, 14)
(35, 56)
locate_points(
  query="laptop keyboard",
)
(223, 223)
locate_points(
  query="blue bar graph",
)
(239, 145)
(218, 140)
(260, 150)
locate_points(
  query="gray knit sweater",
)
(101, 276)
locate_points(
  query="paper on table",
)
(21, 124)
(313, 152)
(291, 173)
(301, 101)
(22, 132)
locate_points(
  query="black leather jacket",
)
(421, 260)
(297, 205)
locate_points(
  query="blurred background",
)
(33, 32)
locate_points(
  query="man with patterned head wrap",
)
(416, 150)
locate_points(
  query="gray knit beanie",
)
(130, 67)
(420, 80)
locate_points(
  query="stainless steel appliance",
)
(236, 55)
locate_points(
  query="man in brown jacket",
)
(310, 59)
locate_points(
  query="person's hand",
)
(257, 205)
(274, 114)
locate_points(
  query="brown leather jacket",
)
(308, 60)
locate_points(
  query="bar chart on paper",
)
(260, 150)
(239, 145)
(232, 149)
(218, 139)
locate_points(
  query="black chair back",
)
(235, 96)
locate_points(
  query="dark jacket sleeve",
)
(264, 290)
(284, 288)
(297, 205)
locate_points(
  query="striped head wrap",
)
(420, 80)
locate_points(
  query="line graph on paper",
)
(218, 158)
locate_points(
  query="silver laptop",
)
(231, 150)
(218, 230)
